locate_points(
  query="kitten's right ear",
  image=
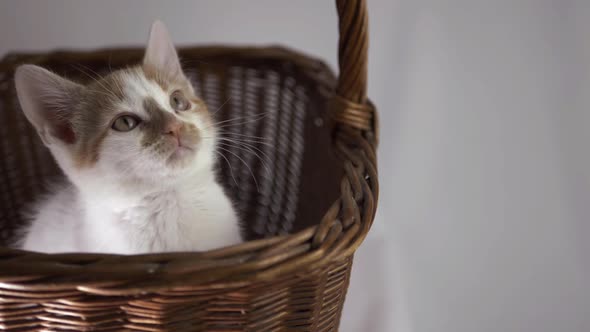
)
(160, 53)
(47, 99)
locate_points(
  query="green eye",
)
(178, 101)
(126, 123)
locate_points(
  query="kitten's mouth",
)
(181, 151)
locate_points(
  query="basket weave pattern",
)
(306, 204)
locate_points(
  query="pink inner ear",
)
(160, 52)
(64, 132)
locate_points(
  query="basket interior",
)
(280, 183)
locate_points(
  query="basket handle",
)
(350, 103)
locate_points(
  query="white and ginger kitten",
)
(138, 149)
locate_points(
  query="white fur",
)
(131, 201)
(193, 216)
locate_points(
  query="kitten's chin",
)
(181, 156)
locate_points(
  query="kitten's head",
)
(142, 123)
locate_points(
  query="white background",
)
(484, 162)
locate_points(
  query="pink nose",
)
(173, 128)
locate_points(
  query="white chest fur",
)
(165, 221)
(182, 219)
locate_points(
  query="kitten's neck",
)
(122, 193)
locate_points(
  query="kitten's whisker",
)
(253, 145)
(82, 69)
(255, 116)
(231, 172)
(100, 92)
(247, 136)
(245, 164)
(238, 124)
(245, 140)
(92, 71)
(229, 138)
(243, 117)
(220, 107)
(96, 79)
(117, 83)
(245, 148)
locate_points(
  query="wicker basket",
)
(311, 207)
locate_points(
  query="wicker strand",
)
(352, 52)
(349, 105)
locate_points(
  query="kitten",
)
(138, 149)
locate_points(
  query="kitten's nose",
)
(173, 128)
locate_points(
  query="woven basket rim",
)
(335, 237)
(273, 51)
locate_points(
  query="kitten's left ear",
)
(47, 100)
(160, 53)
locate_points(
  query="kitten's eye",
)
(126, 123)
(178, 102)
